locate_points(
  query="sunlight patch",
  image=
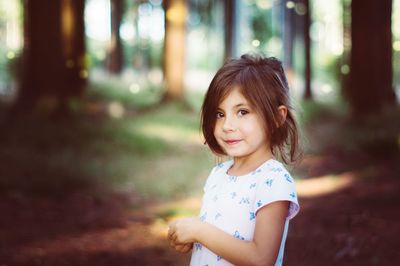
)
(323, 185)
(171, 134)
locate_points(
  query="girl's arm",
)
(262, 250)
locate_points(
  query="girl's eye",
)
(219, 115)
(243, 112)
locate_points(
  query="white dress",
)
(231, 204)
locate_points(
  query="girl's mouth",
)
(232, 141)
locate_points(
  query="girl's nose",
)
(229, 124)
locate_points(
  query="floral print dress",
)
(231, 204)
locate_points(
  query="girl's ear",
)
(282, 111)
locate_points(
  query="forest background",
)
(100, 144)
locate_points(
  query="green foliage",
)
(113, 89)
(330, 127)
(150, 155)
(313, 112)
(261, 24)
(195, 100)
(396, 68)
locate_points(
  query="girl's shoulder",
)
(217, 172)
(274, 166)
(273, 169)
(222, 167)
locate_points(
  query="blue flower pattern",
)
(203, 217)
(270, 181)
(232, 178)
(238, 236)
(276, 169)
(288, 178)
(244, 200)
(256, 171)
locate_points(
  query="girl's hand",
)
(184, 248)
(183, 231)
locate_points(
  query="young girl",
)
(249, 200)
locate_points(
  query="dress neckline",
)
(230, 163)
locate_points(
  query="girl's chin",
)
(235, 153)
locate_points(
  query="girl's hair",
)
(263, 83)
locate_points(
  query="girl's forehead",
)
(234, 97)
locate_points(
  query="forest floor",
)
(349, 216)
(353, 222)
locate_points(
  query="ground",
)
(349, 216)
(351, 220)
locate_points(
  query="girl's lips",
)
(232, 141)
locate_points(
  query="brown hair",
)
(263, 83)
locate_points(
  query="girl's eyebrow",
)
(236, 106)
(240, 105)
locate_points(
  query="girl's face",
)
(239, 129)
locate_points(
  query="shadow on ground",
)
(358, 225)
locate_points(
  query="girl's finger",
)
(172, 237)
(186, 248)
(171, 230)
(180, 248)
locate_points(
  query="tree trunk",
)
(288, 32)
(53, 60)
(345, 64)
(73, 32)
(43, 62)
(307, 48)
(176, 12)
(371, 74)
(115, 54)
(230, 7)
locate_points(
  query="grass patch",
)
(155, 155)
(176, 212)
(315, 112)
(108, 88)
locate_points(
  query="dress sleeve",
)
(277, 186)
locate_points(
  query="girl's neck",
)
(242, 166)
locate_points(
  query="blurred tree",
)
(230, 7)
(53, 66)
(74, 47)
(288, 36)
(262, 22)
(344, 67)
(115, 55)
(307, 48)
(370, 89)
(176, 12)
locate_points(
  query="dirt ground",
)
(356, 222)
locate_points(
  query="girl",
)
(249, 200)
